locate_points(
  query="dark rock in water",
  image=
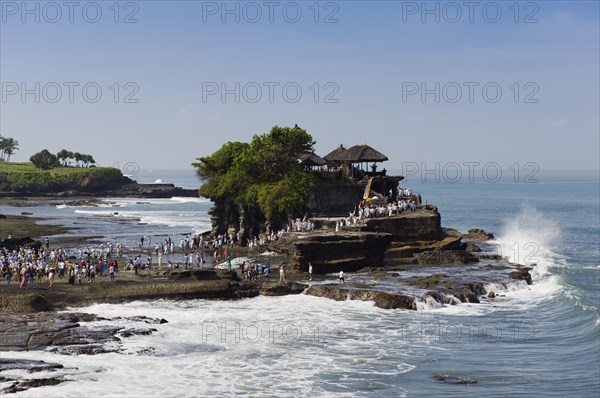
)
(26, 364)
(478, 234)
(522, 273)
(27, 384)
(51, 381)
(454, 380)
(31, 366)
(471, 247)
(142, 318)
(427, 282)
(381, 299)
(89, 349)
(26, 213)
(136, 332)
(491, 257)
(491, 295)
(496, 267)
(275, 289)
(440, 257)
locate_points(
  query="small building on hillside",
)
(356, 161)
(311, 161)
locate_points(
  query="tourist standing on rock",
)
(51, 278)
(142, 241)
(111, 272)
(23, 278)
(310, 271)
(342, 278)
(7, 274)
(282, 276)
(47, 242)
(229, 262)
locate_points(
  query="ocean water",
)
(538, 340)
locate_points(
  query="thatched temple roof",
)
(311, 159)
(355, 154)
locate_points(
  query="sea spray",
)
(531, 238)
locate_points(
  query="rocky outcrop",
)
(478, 235)
(332, 252)
(282, 290)
(63, 333)
(380, 299)
(522, 273)
(14, 385)
(421, 225)
(440, 257)
(454, 379)
(409, 238)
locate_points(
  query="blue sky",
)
(357, 74)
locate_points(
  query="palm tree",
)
(85, 159)
(77, 157)
(2, 147)
(69, 157)
(62, 156)
(11, 145)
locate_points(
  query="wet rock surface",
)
(438, 257)
(63, 333)
(477, 234)
(381, 299)
(15, 384)
(522, 273)
(454, 379)
(275, 289)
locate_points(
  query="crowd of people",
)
(28, 265)
(254, 272)
(85, 264)
(395, 205)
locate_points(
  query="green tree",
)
(2, 146)
(77, 157)
(44, 160)
(262, 174)
(68, 158)
(8, 146)
(62, 156)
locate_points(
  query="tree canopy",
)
(263, 174)
(8, 146)
(44, 160)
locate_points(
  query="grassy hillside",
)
(24, 177)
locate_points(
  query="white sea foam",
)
(530, 238)
(279, 347)
(196, 221)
